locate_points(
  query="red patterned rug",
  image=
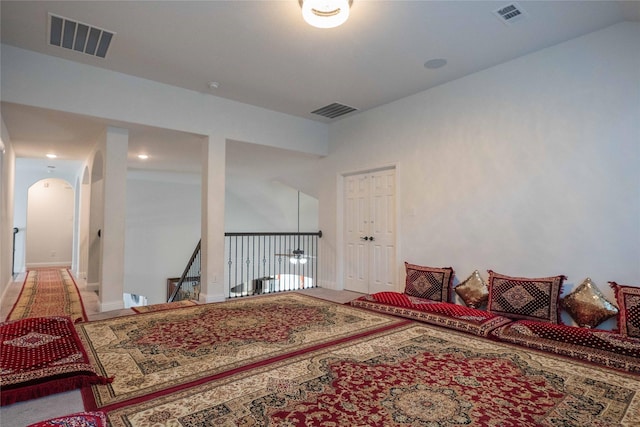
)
(156, 353)
(48, 292)
(42, 356)
(412, 375)
(79, 419)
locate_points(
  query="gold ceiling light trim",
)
(325, 13)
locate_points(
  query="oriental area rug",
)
(156, 353)
(163, 306)
(48, 292)
(409, 375)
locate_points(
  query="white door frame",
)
(340, 238)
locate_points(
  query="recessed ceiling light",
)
(435, 63)
(214, 85)
(51, 156)
(143, 156)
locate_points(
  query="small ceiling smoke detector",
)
(434, 64)
(73, 35)
(510, 13)
(214, 85)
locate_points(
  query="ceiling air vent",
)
(334, 110)
(73, 35)
(510, 13)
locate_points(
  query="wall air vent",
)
(334, 110)
(510, 13)
(73, 35)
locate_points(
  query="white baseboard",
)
(80, 279)
(204, 298)
(111, 305)
(6, 288)
(326, 284)
(47, 264)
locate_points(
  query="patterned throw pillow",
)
(587, 306)
(473, 291)
(628, 298)
(428, 282)
(525, 298)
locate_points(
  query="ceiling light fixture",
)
(51, 156)
(143, 156)
(325, 13)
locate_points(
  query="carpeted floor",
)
(154, 353)
(409, 375)
(283, 361)
(28, 412)
(163, 306)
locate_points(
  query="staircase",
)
(186, 286)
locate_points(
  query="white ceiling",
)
(263, 53)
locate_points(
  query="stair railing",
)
(259, 262)
(190, 279)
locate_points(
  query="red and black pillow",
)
(429, 282)
(525, 298)
(628, 299)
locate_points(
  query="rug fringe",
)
(7, 397)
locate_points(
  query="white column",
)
(213, 193)
(112, 233)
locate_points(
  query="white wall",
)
(162, 230)
(50, 216)
(111, 234)
(27, 173)
(7, 177)
(278, 212)
(528, 168)
(34, 79)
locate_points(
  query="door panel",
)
(382, 229)
(355, 218)
(370, 205)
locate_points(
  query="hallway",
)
(92, 304)
(89, 300)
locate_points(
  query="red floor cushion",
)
(605, 348)
(454, 316)
(40, 356)
(80, 419)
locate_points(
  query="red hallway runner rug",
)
(48, 292)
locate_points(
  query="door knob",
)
(371, 238)
(364, 238)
